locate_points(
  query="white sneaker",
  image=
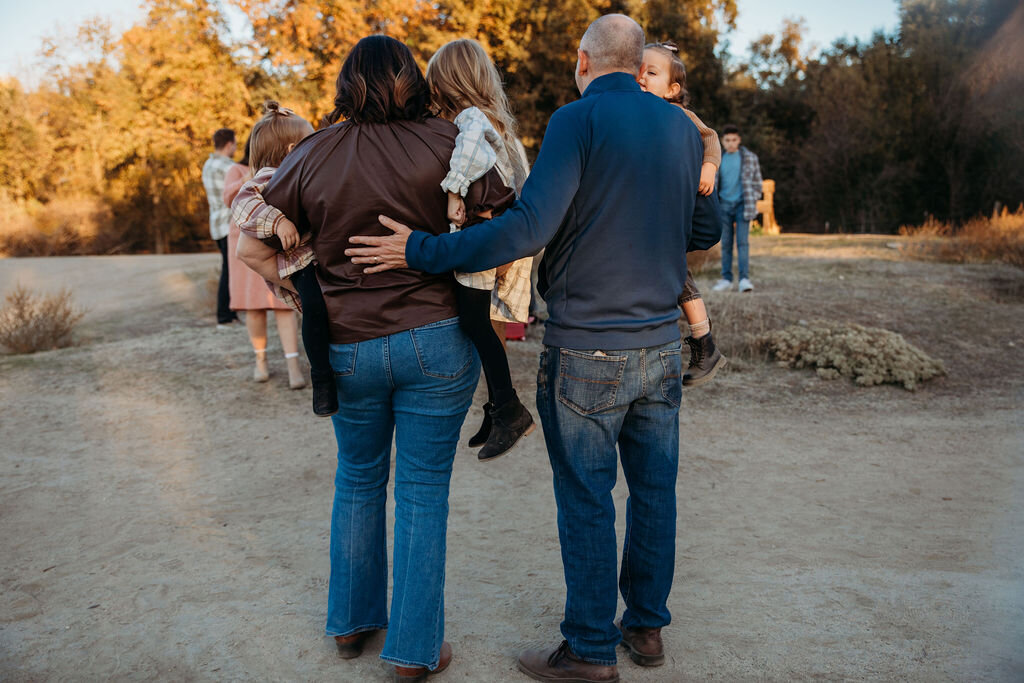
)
(722, 286)
(746, 285)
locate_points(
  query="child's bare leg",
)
(697, 316)
(256, 324)
(262, 259)
(288, 332)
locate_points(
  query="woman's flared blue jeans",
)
(416, 386)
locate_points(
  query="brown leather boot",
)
(408, 674)
(350, 647)
(644, 645)
(561, 665)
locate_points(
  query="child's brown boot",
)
(705, 361)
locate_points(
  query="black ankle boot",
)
(480, 438)
(325, 396)
(705, 361)
(509, 423)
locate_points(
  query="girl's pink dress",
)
(249, 292)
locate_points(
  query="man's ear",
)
(583, 63)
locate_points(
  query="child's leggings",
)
(475, 319)
(314, 324)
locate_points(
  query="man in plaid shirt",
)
(739, 187)
(214, 170)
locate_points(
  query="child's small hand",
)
(288, 234)
(456, 209)
(707, 179)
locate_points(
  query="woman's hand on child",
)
(456, 209)
(707, 179)
(288, 234)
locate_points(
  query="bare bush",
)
(869, 355)
(30, 323)
(979, 240)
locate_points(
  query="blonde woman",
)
(465, 88)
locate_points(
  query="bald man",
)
(613, 198)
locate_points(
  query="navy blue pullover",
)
(613, 197)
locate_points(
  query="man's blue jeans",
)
(417, 385)
(733, 214)
(590, 404)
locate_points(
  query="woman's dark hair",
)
(677, 70)
(380, 82)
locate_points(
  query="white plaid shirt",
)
(214, 170)
(478, 149)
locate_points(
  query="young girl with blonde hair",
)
(270, 244)
(466, 89)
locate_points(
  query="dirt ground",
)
(161, 516)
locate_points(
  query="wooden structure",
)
(766, 207)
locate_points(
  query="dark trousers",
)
(315, 336)
(475, 319)
(224, 312)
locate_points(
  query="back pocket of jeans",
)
(343, 359)
(442, 349)
(672, 381)
(588, 383)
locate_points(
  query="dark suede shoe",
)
(509, 423)
(406, 674)
(644, 645)
(705, 361)
(480, 438)
(325, 397)
(350, 647)
(561, 665)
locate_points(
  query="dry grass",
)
(60, 227)
(704, 262)
(980, 240)
(30, 323)
(738, 321)
(867, 354)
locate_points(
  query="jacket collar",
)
(618, 80)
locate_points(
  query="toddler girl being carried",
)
(664, 74)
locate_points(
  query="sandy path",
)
(151, 527)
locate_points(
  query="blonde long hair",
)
(460, 75)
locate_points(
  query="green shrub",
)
(869, 355)
(30, 323)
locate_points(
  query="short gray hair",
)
(614, 42)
